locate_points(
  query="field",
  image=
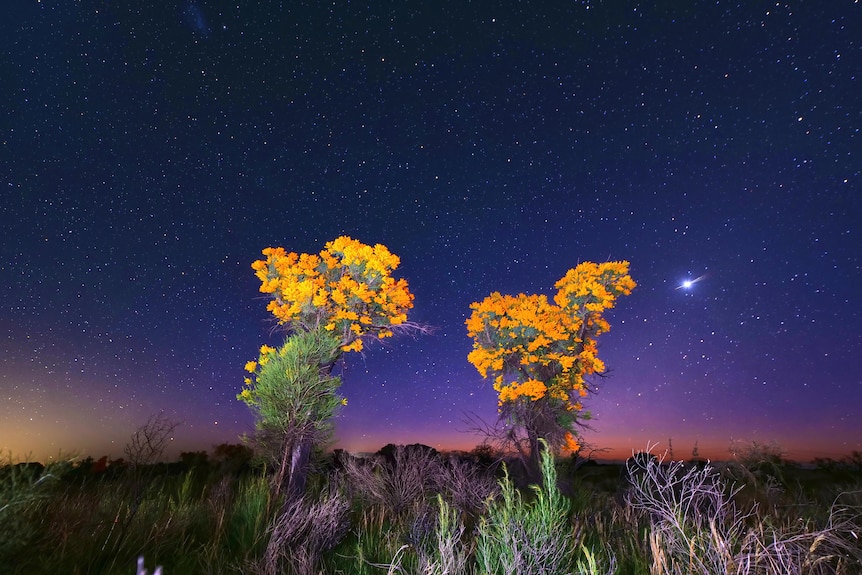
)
(411, 510)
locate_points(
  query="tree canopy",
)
(347, 289)
(539, 353)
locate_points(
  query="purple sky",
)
(149, 154)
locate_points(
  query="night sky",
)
(148, 154)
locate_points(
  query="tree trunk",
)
(292, 474)
(301, 434)
(300, 458)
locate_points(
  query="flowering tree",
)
(347, 289)
(329, 303)
(540, 353)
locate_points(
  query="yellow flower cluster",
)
(572, 444)
(348, 288)
(253, 368)
(547, 349)
(593, 288)
(532, 388)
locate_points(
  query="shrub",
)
(519, 536)
(695, 527)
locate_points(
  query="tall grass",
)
(516, 533)
(417, 513)
(25, 491)
(520, 536)
(102, 526)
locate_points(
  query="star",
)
(129, 167)
(687, 284)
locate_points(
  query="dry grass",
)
(305, 530)
(696, 527)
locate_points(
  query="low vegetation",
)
(411, 510)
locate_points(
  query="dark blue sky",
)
(148, 154)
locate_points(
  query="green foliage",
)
(520, 536)
(293, 387)
(589, 564)
(370, 546)
(248, 518)
(295, 397)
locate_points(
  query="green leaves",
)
(533, 537)
(293, 387)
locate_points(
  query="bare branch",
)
(149, 441)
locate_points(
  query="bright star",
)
(688, 283)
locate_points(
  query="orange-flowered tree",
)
(329, 304)
(541, 354)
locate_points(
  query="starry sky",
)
(149, 152)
